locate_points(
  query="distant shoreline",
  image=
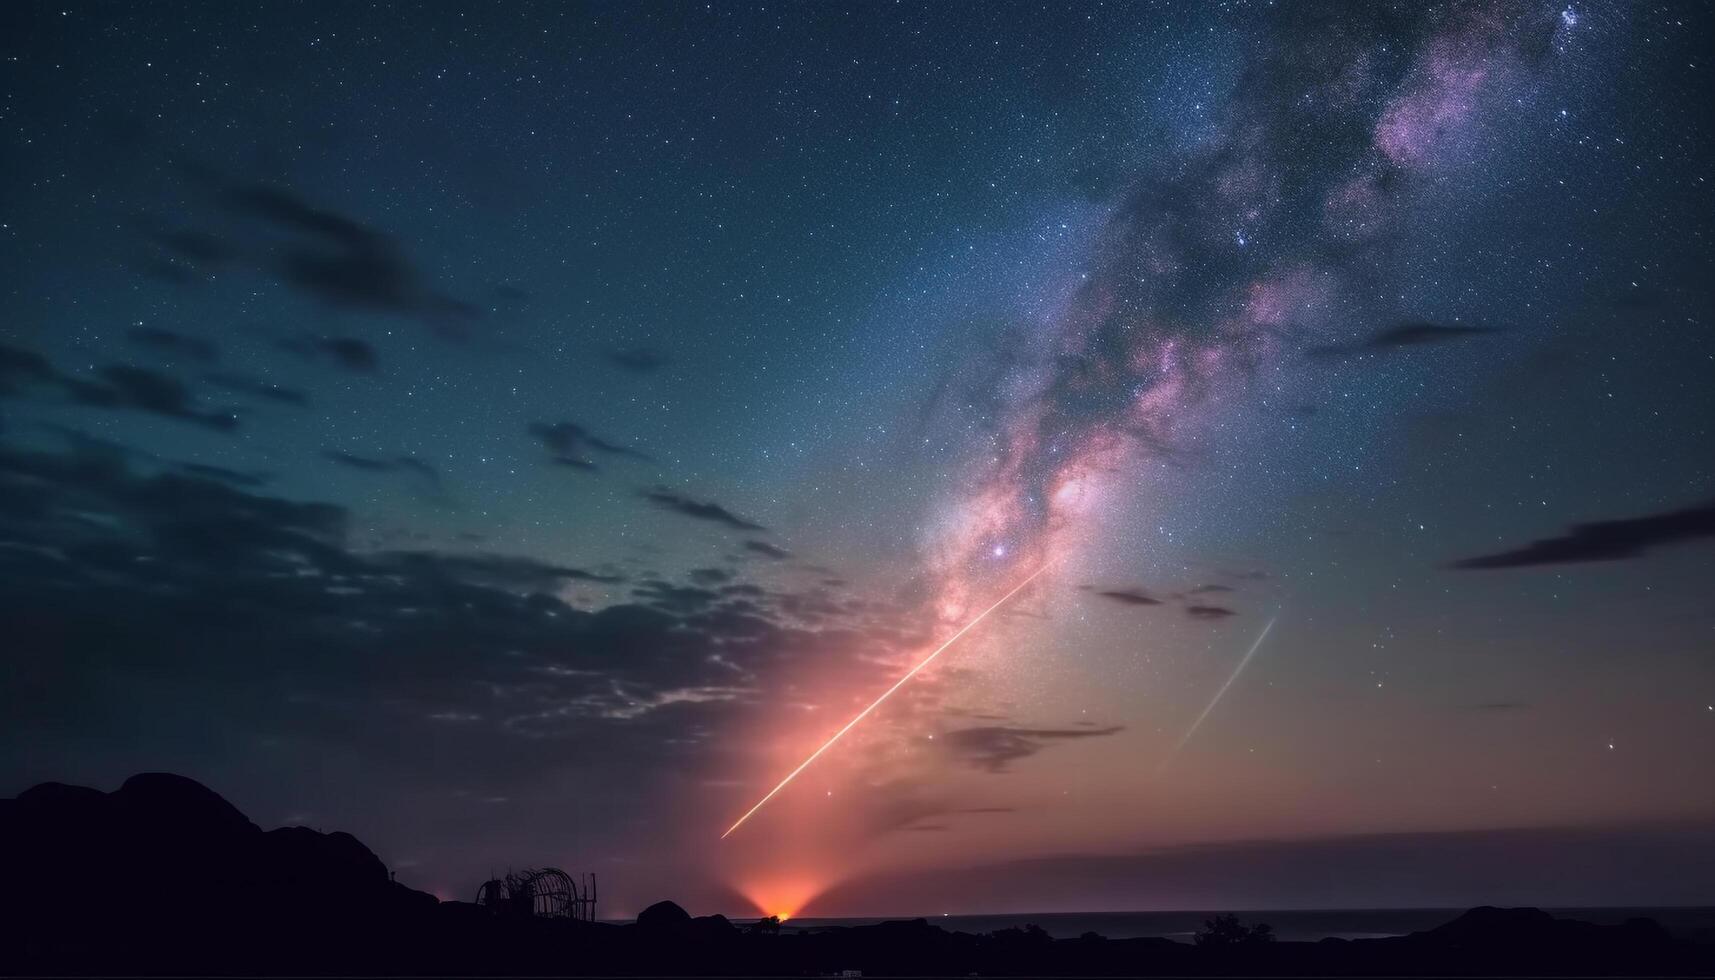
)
(1296, 925)
(226, 898)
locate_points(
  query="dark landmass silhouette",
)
(163, 876)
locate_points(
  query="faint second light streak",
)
(1243, 662)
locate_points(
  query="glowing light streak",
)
(884, 696)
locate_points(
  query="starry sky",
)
(521, 435)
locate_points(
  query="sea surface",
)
(1293, 925)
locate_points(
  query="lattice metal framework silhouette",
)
(542, 893)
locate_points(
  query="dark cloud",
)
(570, 444)
(117, 386)
(1250, 575)
(992, 748)
(493, 571)
(1613, 540)
(1419, 333)
(237, 478)
(765, 549)
(394, 464)
(702, 510)
(575, 462)
(143, 390)
(509, 295)
(638, 360)
(675, 598)
(1208, 589)
(1403, 335)
(172, 516)
(257, 388)
(955, 711)
(351, 353)
(89, 447)
(347, 352)
(1208, 612)
(1127, 597)
(345, 263)
(20, 367)
(102, 566)
(174, 344)
(357, 462)
(710, 576)
(412, 464)
(815, 605)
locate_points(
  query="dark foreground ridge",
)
(165, 876)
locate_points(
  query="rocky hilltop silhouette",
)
(163, 876)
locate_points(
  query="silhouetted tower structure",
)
(541, 893)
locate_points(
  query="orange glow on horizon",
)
(784, 896)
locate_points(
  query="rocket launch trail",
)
(949, 641)
(1243, 662)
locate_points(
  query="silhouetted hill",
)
(165, 876)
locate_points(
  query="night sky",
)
(521, 435)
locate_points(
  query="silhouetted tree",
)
(767, 927)
(1227, 930)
